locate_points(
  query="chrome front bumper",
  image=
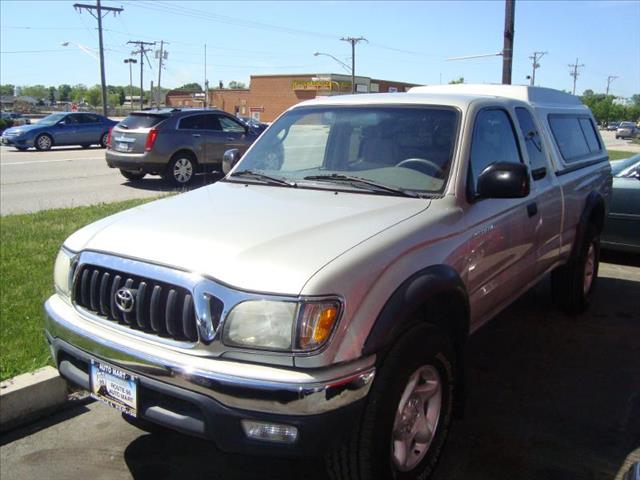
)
(244, 386)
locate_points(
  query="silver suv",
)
(319, 298)
(175, 143)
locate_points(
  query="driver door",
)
(67, 130)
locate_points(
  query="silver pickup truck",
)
(317, 300)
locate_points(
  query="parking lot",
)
(549, 397)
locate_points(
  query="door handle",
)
(197, 135)
(532, 209)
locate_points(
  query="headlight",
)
(281, 325)
(62, 272)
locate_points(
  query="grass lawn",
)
(619, 154)
(28, 247)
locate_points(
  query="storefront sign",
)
(320, 85)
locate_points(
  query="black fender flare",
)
(594, 212)
(402, 307)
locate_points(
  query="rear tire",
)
(43, 142)
(408, 412)
(103, 140)
(573, 284)
(181, 170)
(129, 175)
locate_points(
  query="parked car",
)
(626, 130)
(175, 143)
(257, 126)
(622, 228)
(318, 299)
(16, 119)
(59, 129)
(612, 126)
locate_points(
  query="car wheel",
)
(103, 140)
(181, 170)
(131, 175)
(573, 284)
(407, 415)
(43, 142)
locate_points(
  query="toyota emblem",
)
(125, 300)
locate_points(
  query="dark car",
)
(259, 127)
(622, 227)
(59, 129)
(612, 126)
(175, 143)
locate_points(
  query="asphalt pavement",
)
(549, 397)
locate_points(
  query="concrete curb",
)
(30, 396)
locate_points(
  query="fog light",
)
(270, 432)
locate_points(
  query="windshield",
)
(403, 147)
(51, 119)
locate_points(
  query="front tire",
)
(407, 415)
(181, 170)
(573, 284)
(43, 142)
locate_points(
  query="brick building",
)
(270, 95)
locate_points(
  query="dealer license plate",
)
(122, 147)
(116, 388)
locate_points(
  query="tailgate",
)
(130, 135)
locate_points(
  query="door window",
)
(193, 122)
(532, 139)
(212, 123)
(230, 126)
(493, 141)
(88, 118)
(70, 120)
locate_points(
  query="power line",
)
(98, 15)
(535, 65)
(353, 41)
(574, 73)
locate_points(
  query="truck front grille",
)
(157, 307)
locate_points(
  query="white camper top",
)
(538, 96)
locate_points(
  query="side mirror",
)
(229, 159)
(504, 180)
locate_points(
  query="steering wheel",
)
(422, 165)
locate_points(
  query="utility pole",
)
(353, 41)
(162, 56)
(98, 15)
(574, 73)
(507, 49)
(535, 65)
(206, 82)
(130, 61)
(143, 53)
(610, 79)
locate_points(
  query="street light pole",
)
(130, 61)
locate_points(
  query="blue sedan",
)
(58, 129)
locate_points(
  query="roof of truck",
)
(459, 95)
(526, 93)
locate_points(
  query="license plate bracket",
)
(115, 387)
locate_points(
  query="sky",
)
(407, 41)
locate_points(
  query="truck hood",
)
(253, 237)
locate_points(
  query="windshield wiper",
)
(362, 182)
(264, 178)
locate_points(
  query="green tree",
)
(235, 84)
(7, 89)
(191, 87)
(454, 82)
(36, 91)
(52, 95)
(78, 93)
(64, 92)
(94, 96)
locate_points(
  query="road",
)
(67, 177)
(549, 397)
